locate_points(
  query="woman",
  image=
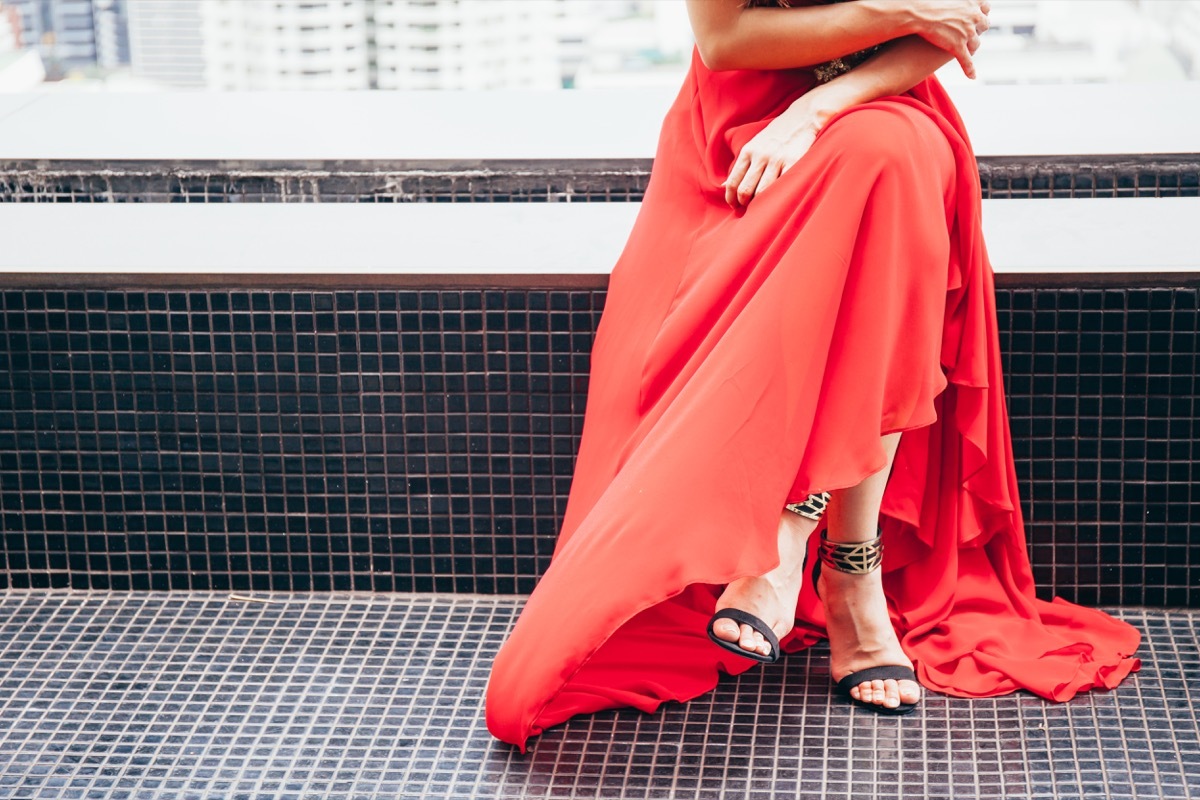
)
(797, 366)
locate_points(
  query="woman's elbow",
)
(711, 54)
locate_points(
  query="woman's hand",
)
(953, 25)
(771, 151)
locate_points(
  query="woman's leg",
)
(860, 632)
(771, 597)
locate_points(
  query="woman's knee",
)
(892, 138)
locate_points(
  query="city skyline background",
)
(229, 45)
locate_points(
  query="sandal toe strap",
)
(883, 672)
(745, 618)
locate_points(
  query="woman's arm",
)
(730, 36)
(894, 70)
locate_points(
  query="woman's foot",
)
(771, 597)
(861, 636)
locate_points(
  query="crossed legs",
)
(860, 632)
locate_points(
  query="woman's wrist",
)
(901, 64)
(823, 101)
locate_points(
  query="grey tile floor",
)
(379, 696)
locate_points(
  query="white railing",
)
(1099, 119)
(548, 240)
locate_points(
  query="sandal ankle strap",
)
(856, 558)
(812, 507)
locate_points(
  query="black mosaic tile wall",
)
(424, 440)
(1102, 388)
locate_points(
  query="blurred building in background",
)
(1078, 41)
(538, 44)
(470, 44)
(631, 42)
(263, 44)
(21, 67)
(166, 42)
(74, 34)
(376, 44)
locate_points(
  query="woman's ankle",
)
(793, 533)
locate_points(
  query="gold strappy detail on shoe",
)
(812, 507)
(857, 558)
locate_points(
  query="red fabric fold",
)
(746, 358)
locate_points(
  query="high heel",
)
(861, 558)
(811, 507)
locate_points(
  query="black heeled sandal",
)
(812, 507)
(861, 558)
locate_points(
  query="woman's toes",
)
(891, 693)
(909, 692)
(745, 636)
(749, 640)
(727, 629)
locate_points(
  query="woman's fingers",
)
(963, 53)
(954, 26)
(740, 166)
(770, 174)
(742, 178)
(761, 173)
(769, 154)
(982, 23)
(966, 62)
(748, 186)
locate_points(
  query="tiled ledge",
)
(1146, 241)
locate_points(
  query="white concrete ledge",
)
(1087, 119)
(1078, 236)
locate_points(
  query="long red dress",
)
(748, 357)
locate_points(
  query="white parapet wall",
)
(1091, 119)
(1075, 236)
